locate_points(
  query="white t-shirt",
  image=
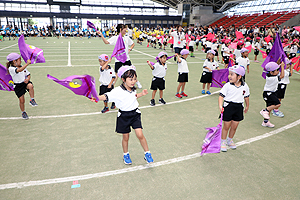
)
(269, 45)
(127, 42)
(243, 61)
(159, 70)
(293, 49)
(226, 49)
(192, 43)
(211, 65)
(182, 66)
(285, 79)
(208, 44)
(271, 83)
(214, 46)
(18, 77)
(125, 100)
(106, 75)
(237, 53)
(178, 37)
(232, 93)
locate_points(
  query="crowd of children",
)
(232, 97)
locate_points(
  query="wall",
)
(204, 15)
(295, 21)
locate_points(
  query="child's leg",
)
(270, 108)
(183, 86)
(233, 127)
(179, 86)
(141, 137)
(125, 142)
(203, 86)
(105, 104)
(153, 94)
(226, 126)
(21, 103)
(31, 90)
(161, 92)
(208, 86)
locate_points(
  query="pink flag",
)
(239, 34)
(80, 85)
(119, 50)
(29, 52)
(268, 39)
(6, 82)
(263, 53)
(233, 46)
(219, 78)
(171, 41)
(210, 36)
(297, 28)
(187, 39)
(212, 141)
(249, 48)
(296, 60)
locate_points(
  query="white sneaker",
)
(268, 124)
(231, 144)
(224, 146)
(265, 114)
(139, 85)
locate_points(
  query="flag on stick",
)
(219, 78)
(119, 50)
(29, 52)
(6, 82)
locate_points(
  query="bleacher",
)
(265, 19)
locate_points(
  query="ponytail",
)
(8, 64)
(120, 27)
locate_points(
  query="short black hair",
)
(129, 74)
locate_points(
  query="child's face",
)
(275, 73)
(17, 62)
(233, 77)
(210, 56)
(185, 56)
(163, 59)
(130, 82)
(123, 31)
(101, 62)
(246, 53)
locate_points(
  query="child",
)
(282, 86)
(269, 47)
(256, 48)
(158, 81)
(129, 115)
(191, 46)
(269, 94)
(21, 78)
(237, 51)
(226, 53)
(107, 78)
(243, 60)
(209, 65)
(215, 47)
(234, 93)
(294, 48)
(183, 71)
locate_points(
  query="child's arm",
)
(151, 66)
(208, 68)
(105, 64)
(103, 38)
(143, 93)
(282, 70)
(111, 82)
(248, 69)
(178, 57)
(27, 79)
(291, 69)
(24, 66)
(247, 104)
(131, 47)
(221, 104)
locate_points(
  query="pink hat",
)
(184, 52)
(192, 37)
(211, 51)
(285, 40)
(248, 38)
(223, 40)
(244, 50)
(240, 43)
(103, 57)
(124, 69)
(13, 56)
(162, 53)
(258, 38)
(271, 66)
(227, 41)
(214, 40)
(235, 40)
(237, 69)
(295, 40)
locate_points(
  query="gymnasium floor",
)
(68, 139)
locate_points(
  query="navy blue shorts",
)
(127, 119)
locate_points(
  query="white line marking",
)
(296, 72)
(96, 113)
(148, 55)
(8, 47)
(136, 168)
(69, 56)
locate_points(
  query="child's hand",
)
(93, 99)
(144, 92)
(221, 109)
(148, 62)
(246, 109)
(109, 60)
(28, 62)
(282, 64)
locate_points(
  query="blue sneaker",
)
(208, 92)
(127, 159)
(277, 113)
(148, 158)
(203, 91)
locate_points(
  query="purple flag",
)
(79, 84)
(219, 78)
(119, 50)
(157, 59)
(212, 141)
(91, 25)
(6, 82)
(275, 53)
(29, 52)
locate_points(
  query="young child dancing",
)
(231, 103)
(21, 78)
(129, 115)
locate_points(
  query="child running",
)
(234, 93)
(107, 78)
(269, 94)
(243, 61)
(158, 81)
(21, 78)
(129, 115)
(209, 65)
(183, 72)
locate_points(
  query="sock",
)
(192, 54)
(223, 141)
(125, 153)
(266, 120)
(266, 109)
(23, 112)
(31, 99)
(276, 110)
(229, 139)
(146, 152)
